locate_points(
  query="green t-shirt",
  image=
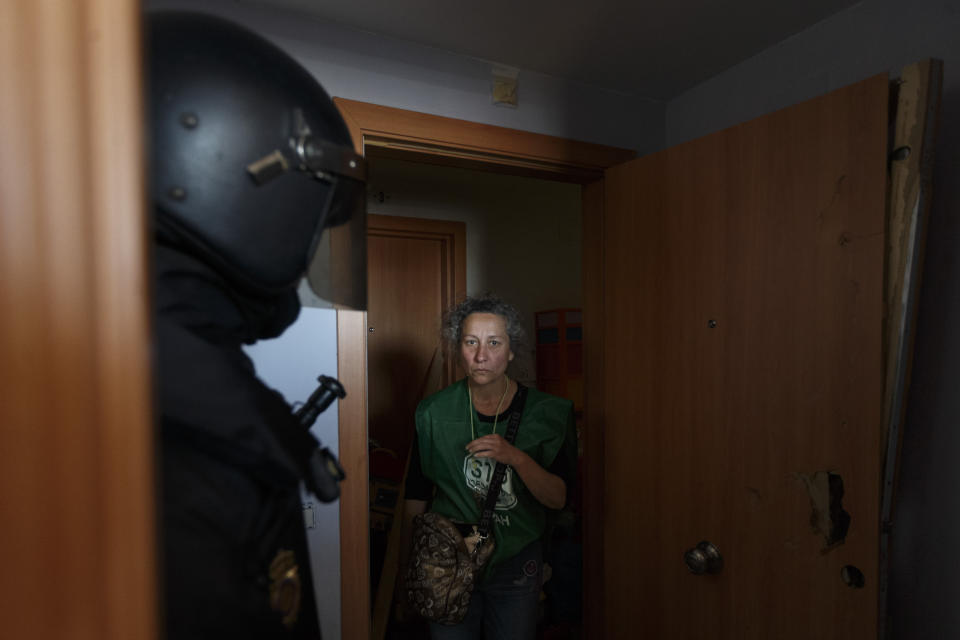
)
(443, 430)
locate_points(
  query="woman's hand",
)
(496, 447)
(549, 489)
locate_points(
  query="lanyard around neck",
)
(496, 416)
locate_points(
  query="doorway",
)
(390, 132)
(523, 243)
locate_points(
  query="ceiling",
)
(654, 49)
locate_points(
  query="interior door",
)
(416, 269)
(742, 376)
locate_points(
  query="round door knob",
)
(704, 558)
(696, 561)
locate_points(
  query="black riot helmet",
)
(250, 161)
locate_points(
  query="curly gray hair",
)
(452, 326)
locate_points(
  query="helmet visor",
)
(337, 273)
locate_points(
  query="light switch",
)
(309, 520)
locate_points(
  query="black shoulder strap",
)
(501, 469)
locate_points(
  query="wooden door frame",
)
(390, 132)
(77, 465)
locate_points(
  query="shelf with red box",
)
(559, 342)
(560, 354)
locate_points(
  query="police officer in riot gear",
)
(250, 163)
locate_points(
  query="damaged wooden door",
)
(742, 377)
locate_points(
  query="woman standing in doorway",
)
(459, 439)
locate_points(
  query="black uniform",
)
(235, 554)
(249, 161)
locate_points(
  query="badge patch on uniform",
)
(285, 587)
(478, 472)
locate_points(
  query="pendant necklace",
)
(506, 385)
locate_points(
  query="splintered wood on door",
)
(742, 305)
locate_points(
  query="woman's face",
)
(485, 347)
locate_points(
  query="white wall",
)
(291, 364)
(523, 234)
(363, 66)
(872, 37)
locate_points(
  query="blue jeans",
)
(504, 606)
